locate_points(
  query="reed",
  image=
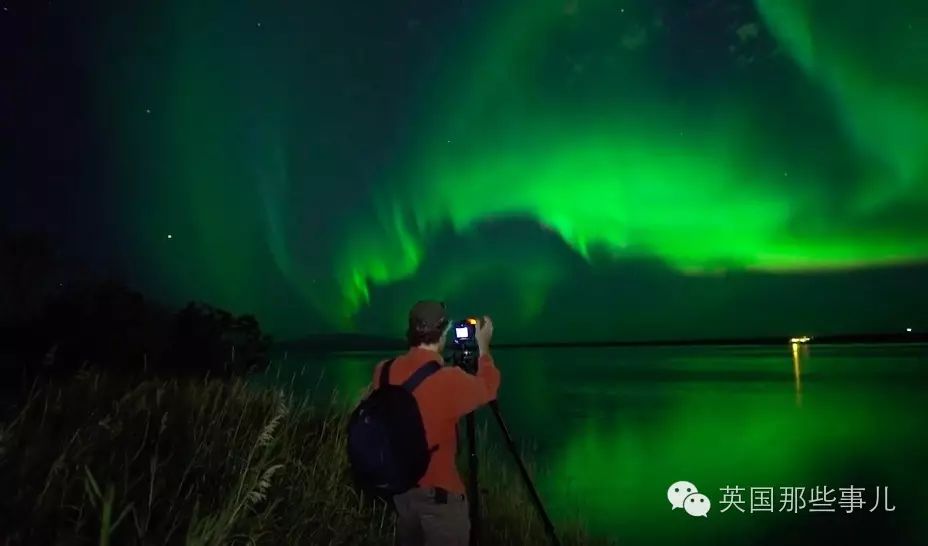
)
(99, 459)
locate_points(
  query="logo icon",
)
(684, 495)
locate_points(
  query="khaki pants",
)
(421, 521)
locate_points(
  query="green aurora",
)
(324, 167)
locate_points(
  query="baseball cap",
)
(428, 315)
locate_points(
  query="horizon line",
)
(882, 337)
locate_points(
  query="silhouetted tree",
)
(49, 327)
(213, 339)
(107, 325)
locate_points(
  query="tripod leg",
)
(473, 486)
(536, 499)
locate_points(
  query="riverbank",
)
(100, 459)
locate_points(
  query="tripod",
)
(466, 358)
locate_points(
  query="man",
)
(435, 513)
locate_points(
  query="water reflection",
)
(797, 370)
(614, 427)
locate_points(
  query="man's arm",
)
(472, 391)
(469, 392)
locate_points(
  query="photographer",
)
(435, 512)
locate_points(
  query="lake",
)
(610, 429)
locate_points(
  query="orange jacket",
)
(443, 399)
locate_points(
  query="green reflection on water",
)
(615, 427)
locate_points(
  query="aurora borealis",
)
(638, 169)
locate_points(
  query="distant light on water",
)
(797, 372)
(801, 339)
(908, 329)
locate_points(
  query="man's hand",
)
(484, 334)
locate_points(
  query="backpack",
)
(387, 447)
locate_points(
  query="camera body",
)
(464, 344)
(465, 332)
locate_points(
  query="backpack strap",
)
(420, 375)
(385, 373)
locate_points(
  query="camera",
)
(464, 344)
(465, 332)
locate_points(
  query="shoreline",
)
(372, 345)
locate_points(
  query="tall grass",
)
(101, 460)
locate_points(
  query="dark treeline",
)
(54, 320)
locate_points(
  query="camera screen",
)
(461, 332)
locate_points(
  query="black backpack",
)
(387, 448)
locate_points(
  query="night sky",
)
(579, 169)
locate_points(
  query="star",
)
(259, 24)
(148, 110)
(170, 236)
